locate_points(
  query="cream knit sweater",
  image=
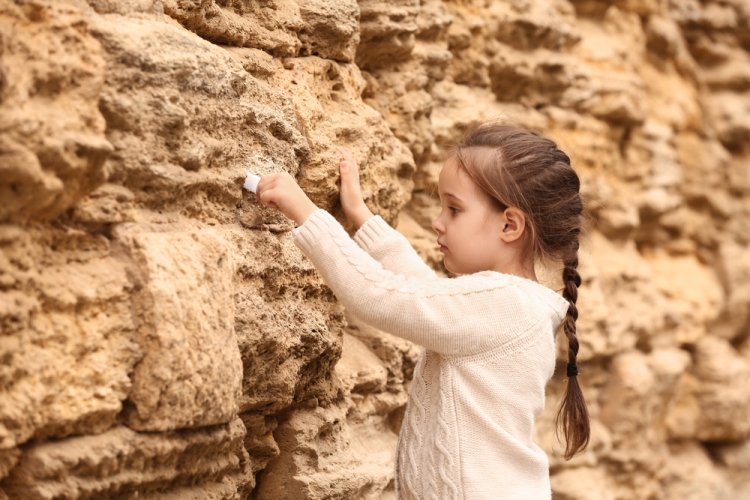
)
(479, 383)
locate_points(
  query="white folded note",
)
(251, 182)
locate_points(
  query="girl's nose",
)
(437, 225)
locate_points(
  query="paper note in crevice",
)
(251, 182)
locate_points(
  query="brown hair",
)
(519, 168)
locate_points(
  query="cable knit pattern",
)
(478, 385)
(416, 424)
(444, 438)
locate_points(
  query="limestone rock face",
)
(121, 460)
(191, 373)
(53, 142)
(162, 336)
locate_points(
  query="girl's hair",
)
(519, 168)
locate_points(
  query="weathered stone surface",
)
(282, 365)
(67, 344)
(49, 157)
(142, 289)
(209, 462)
(398, 355)
(359, 369)
(693, 294)
(284, 28)
(388, 32)
(731, 119)
(692, 475)
(324, 456)
(188, 122)
(191, 373)
(327, 100)
(8, 460)
(734, 272)
(709, 404)
(734, 455)
(567, 485)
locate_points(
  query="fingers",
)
(345, 153)
(265, 196)
(266, 192)
(269, 181)
(347, 160)
(275, 190)
(269, 199)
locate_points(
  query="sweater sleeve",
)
(455, 316)
(391, 248)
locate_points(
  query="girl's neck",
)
(524, 271)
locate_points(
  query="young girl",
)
(508, 197)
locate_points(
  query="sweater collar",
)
(558, 303)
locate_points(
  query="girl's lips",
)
(442, 247)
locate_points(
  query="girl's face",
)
(469, 228)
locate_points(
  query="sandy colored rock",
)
(191, 373)
(695, 477)
(734, 272)
(730, 118)
(282, 28)
(8, 460)
(359, 369)
(165, 111)
(326, 96)
(282, 365)
(142, 289)
(388, 32)
(313, 466)
(715, 402)
(693, 295)
(567, 485)
(68, 341)
(49, 157)
(635, 398)
(735, 454)
(210, 462)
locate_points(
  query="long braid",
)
(575, 419)
(520, 168)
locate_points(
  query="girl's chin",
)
(452, 268)
(447, 265)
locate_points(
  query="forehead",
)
(453, 179)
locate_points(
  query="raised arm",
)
(391, 249)
(374, 235)
(460, 316)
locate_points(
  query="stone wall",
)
(162, 334)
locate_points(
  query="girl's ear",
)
(515, 224)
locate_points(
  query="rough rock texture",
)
(162, 336)
(120, 461)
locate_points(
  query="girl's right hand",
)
(352, 201)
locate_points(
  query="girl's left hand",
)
(281, 191)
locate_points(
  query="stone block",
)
(284, 28)
(67, 345)
(388, 32)
(121, 463)
(359, 369)
(722, 401)
(324, 456)
(191, 372)
(52, 149)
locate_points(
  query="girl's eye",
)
(453, 210)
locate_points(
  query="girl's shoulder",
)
(485, 281)
(550, 298)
